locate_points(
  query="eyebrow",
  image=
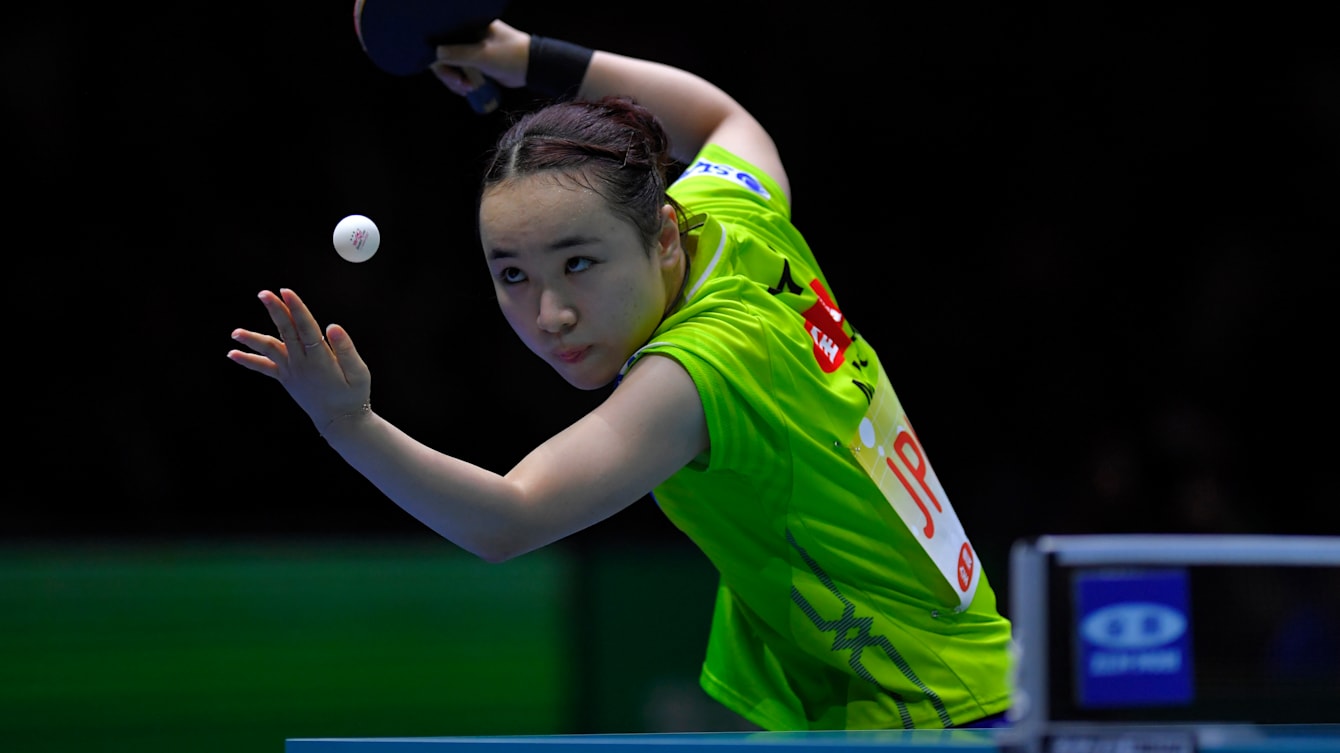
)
(562, 244)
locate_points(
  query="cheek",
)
(641, 307)
(512, 310)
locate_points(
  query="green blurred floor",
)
(237, 646)
(233, 647)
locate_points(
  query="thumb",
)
(356, 372)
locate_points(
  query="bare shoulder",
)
(657, 407)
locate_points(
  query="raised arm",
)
(693, 110)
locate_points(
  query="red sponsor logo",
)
(823, 321)
(966, 564)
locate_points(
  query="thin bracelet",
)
(556, 68)
(363, 410)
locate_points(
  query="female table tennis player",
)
(739, 396)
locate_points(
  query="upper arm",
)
(651, 426)
(744, 136)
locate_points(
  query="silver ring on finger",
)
(316, 344)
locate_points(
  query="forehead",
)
(542, 209)
(540, 191)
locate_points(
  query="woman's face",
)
(576, 282)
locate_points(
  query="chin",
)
(584, 379)
(587, 384)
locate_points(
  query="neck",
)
(683, 284)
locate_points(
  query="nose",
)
(555, 313)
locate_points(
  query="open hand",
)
(322, 373)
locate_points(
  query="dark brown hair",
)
(613, 145)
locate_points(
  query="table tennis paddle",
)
(401, 36)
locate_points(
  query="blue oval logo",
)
(1133, 625)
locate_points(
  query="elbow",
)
(494, 556)
(504, 532)
(499, 551)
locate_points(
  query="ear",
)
(668, 246)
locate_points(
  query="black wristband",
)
(556, 68)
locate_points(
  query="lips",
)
(572, 355)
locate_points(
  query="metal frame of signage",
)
(1030, 562)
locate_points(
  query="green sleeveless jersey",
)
(849, 595)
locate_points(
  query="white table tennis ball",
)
(356, 238)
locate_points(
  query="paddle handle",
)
(484, 97)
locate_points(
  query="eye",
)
(511, 276)
(579, 264)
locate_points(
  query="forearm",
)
(479, 510)
(693, 110)
(690, 108)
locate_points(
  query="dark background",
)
(1093, 244)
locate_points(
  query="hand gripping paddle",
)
(401, 36)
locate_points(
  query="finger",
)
(257, 363)
(475, 78)
(452, 77)
(267, 345)
(283, 320)
(459, 55)
(308, 331)
(317, 347)
(267, 351)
